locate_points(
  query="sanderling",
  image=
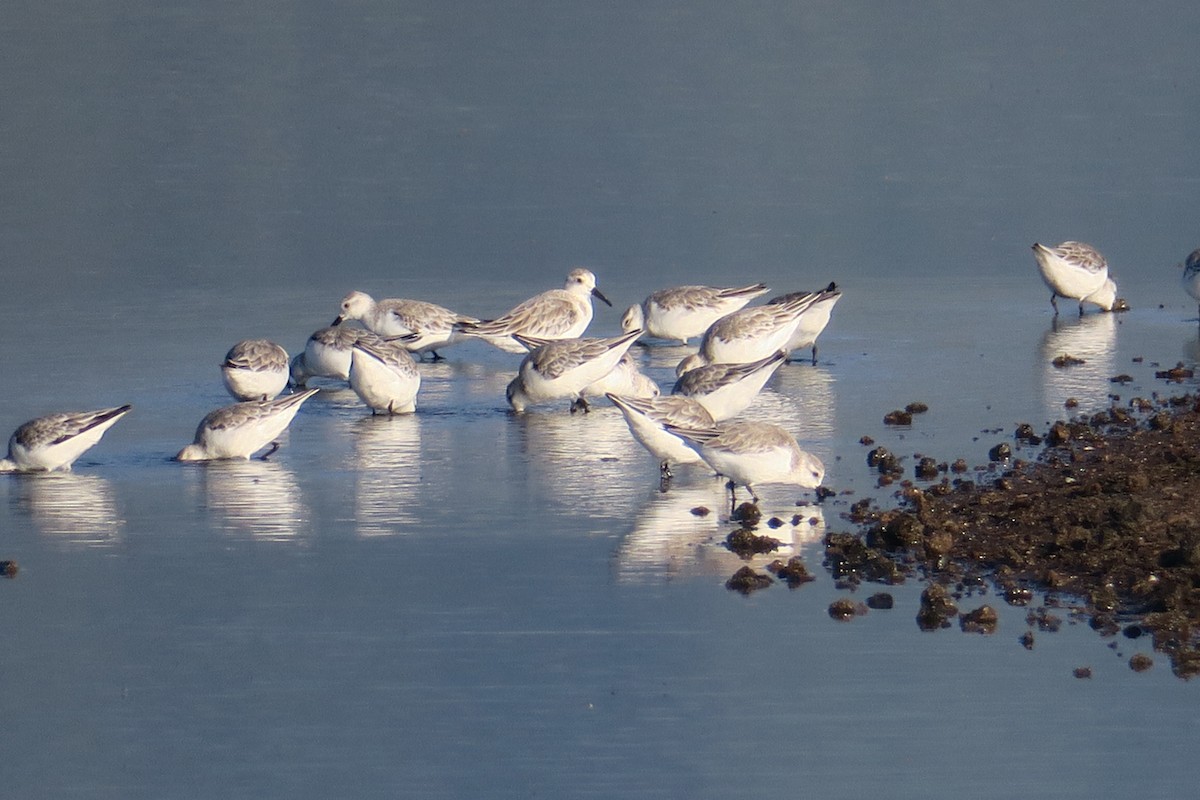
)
(242, 429)
(556, 314)
(752, 452)
(726, 390)
(563, 368)
(55, 441)
(255, 369)
(814, 319)
(627, 379)
(1076, 271)
(426, 327)
(1191, 275)
(385, 377)
(748, 335)
(647, 418)
(681, 312)
(327, 353)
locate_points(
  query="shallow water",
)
(466, 602)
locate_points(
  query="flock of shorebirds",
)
(741, 347)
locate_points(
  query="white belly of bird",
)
(326, 361)
(1068, 280)
(767, 466)
(243, 441)
(381, 387)
(248, 384)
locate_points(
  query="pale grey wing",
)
(57, 428)
(242, 413)
(752, 291)
(682, 411)
(1082, 255)
(751, 323)
(396, 357)
(256, 355)
(701, 380)
(422, 317)
(340, 336)
(556, 358)
(546, 315)
(751, 437)
(688, 297)
(792, 297)
(699, 435)
(531, 342)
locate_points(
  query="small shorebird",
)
(647, 418)
(555, 314)
(426, 327)
(242, 429)
(814, 319)
(681, 312)
(255, 369)
(327, 353)
(385, 377)
(1076, 271)
(752, 453)
(563, 368)
(726, 390)
(55, 441)
(624, 379)
(748, 335)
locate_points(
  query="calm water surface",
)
(468, 603)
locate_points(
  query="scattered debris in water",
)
(746, 580)
(700, 511)
(1177, 373)
(845, 609)
(747, 514)
(880, 601)
(983, 620)
(1001, 452)
(898, 417)
(916, 408)
(1067, 360)
(746, 543)
(1122, 379)
(793, 572)
(1140, 662)
(1082, 672)
(9, 569)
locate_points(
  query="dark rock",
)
(937, 609)
(845, 609)
(880, 601)
(1082, 672)
(1140, 662)
(700, 511)
(1026, 640)
(9, 569)
(916, 408)
(746, 543)
(1001, 452)
(927, 469)
(982, 620)
(897, 417)
(1067, 360)
(793, 572)
(747, 514)
(746, 580)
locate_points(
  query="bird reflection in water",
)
(1092, 339)
(682, 533)
(259, 499)
(387, 464)
(78, 508)
(583, 461)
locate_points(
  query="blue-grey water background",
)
(467, 603)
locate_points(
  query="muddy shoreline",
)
(1097, 519)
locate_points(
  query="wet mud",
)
(1099, 520)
